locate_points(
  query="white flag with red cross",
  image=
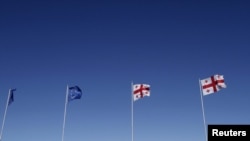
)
(140, 91)
(212, 84)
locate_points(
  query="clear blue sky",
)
(102, 46)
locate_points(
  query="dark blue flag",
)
(11, 98)
(74, 93)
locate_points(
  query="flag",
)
(212, 84)
(74, 93)
(11, 96)
(140, 90)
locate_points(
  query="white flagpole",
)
(6, 108)
(132, 111)
(203, 113)
(65, 110)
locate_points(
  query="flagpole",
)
(6, 108)
(203, 113)
(65, 110)
(132, 111)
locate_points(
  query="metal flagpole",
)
(7, 103)
(204, 120)
(65, 110)
(132, 111)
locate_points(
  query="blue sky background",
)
(102, 46)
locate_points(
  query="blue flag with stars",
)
(74, 93)
(11, 98)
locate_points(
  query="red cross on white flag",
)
(212, 84)
(140, 90)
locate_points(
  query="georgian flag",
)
(212, 84)
(140, 90)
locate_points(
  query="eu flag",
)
(11, 98)
(74, 93)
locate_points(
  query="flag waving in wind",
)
(74, 93)
(11, 96)
(212, 84)
(140, 90)
(10, 99)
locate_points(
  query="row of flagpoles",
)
(207, 86)
(72, 93)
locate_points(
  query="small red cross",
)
(220, 81)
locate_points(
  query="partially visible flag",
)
(74, 93)
(212, 84)
(140, 90)
(11, 96)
